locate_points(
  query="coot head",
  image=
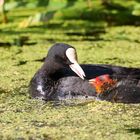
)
(63, 55)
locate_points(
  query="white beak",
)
(78, 70)
(71, 55)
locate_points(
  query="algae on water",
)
(25, 118)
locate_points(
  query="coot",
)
(62, 78)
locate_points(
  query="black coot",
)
(61, 77)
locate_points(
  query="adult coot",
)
(61, 77)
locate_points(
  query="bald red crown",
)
(102, 83)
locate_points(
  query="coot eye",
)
(61, 60)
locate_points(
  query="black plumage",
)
(55, 80)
